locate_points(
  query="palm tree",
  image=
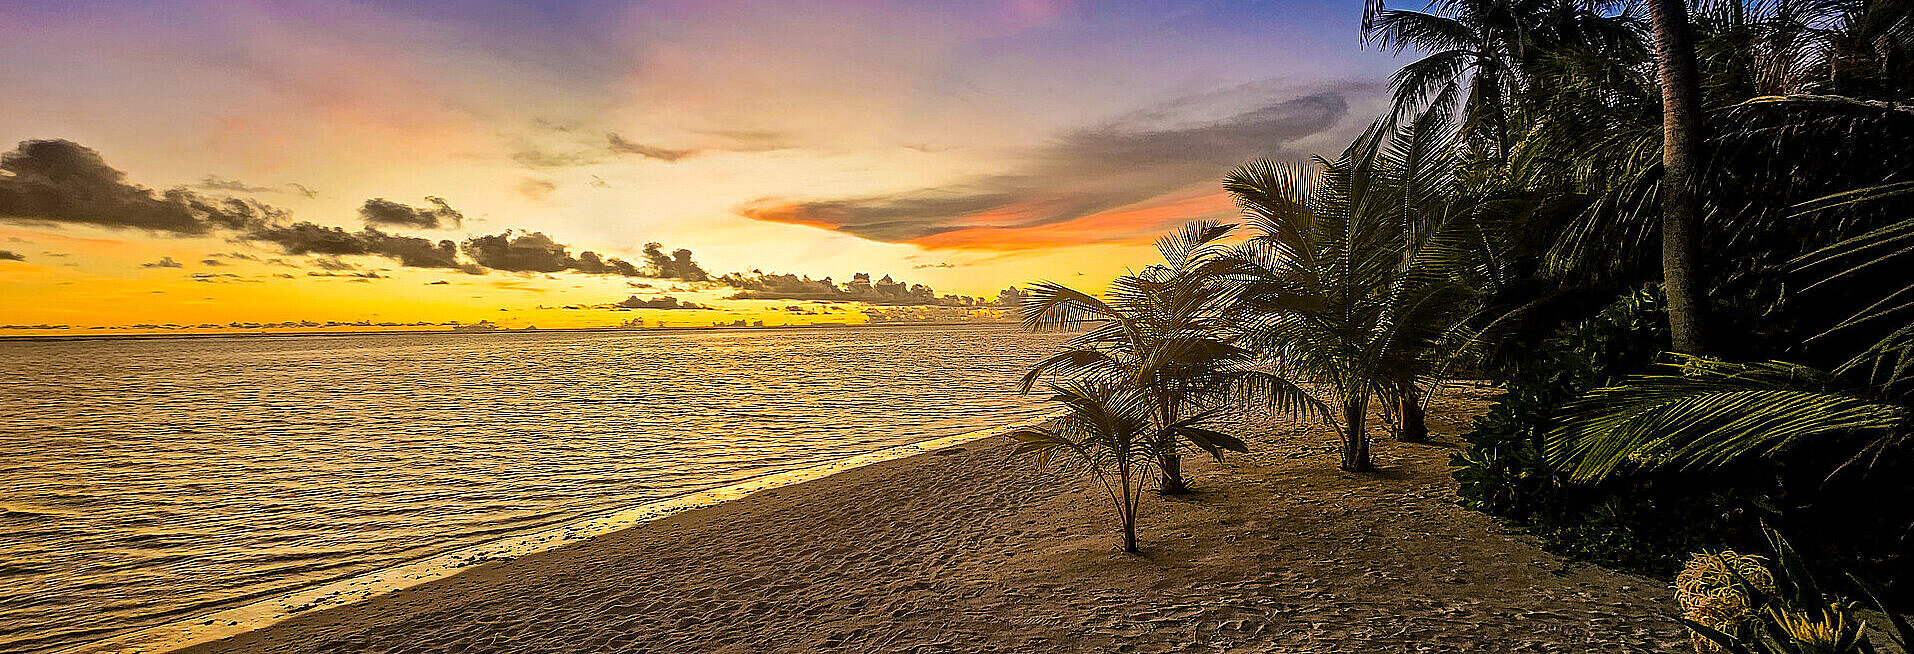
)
(1472, 47)
(1352, 279)
(1481, 56)
(1110, 429)
(1681, 172)
(1700, 413)
(1163, 331)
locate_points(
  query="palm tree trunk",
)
(1415, 421)
(1128, 510)
(1355, 440)
(1172, 482)
(1170, 463)
(1681, 174)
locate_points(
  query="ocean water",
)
(146, 481)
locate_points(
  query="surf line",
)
(237, 620)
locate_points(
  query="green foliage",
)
(1163, 332)
(1706, 413)
(1353, 280)
(1642, 522)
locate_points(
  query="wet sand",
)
(969, 550)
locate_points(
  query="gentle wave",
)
(147, 480)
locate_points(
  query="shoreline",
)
(969, 549)
(260, 614)
(155, 336)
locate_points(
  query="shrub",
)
(1641, 522)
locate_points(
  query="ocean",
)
(144, 481)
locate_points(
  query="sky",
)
(174, 165)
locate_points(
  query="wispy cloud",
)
(621, 145)
(1124, 172)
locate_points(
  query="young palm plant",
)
(1351, 284)
(1163, 331)
(1111, 430)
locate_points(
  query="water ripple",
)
(146, 479)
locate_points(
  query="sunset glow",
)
(207, 151)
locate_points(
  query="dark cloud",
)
(61, 181)
(1144, 156)
(677, 265)
(524, 252)
(660, 302)
(884, 291)
(64, 182)
(9, 255)
(619, 145)
(211, 262)
(164, 262)
(410, 251)
(589, 263)
(438, 283)
(380, 211)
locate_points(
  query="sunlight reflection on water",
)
(142, 480)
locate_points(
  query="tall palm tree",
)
(1470, 69)
(1163, 330)
(1481, 56)
(1681, 173)
(1361, 259)
(1699, 412)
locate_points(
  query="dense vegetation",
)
(1677, 234)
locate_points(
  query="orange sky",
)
(963, 146)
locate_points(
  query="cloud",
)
(217, 183)
(589, 263)
(332, 263)
(525, 252)
(535, 189)
(861, 288)
(9, 255)
(619, 145)
(1088, 173)
(64, 182)
(164, 262)
(61, 181)
(660, 302)
(380, 211)
(211, 262)
(410, 251)
(676, 266)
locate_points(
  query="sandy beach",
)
(969, 550)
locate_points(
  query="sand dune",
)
(968, 550)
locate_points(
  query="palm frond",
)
(1705, 413)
